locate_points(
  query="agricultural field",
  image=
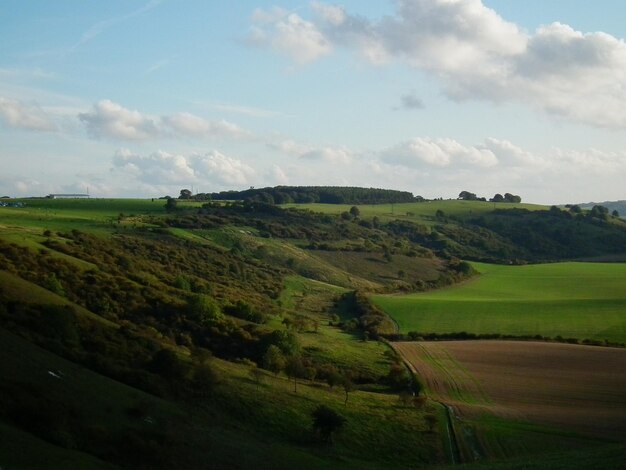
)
(571, 300)
(507, 396)
(417, 211)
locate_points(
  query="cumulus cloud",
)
(194, 126)
(111, 120)
(439, 153)
(477, 54)
(443, 167)
(20, 115)
(288, 34)
(163, 168)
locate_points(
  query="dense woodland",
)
(321, 194)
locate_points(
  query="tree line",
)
(312, 194)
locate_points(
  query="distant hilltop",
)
(619, 206)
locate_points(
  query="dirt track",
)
(578, 388)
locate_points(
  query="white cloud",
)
(219, 168)
(476, 54)
(288, 34)
(162, 168)
(418, 152)
(332, 14)
(20, 115)
(329, 154)
(157, 168)
(509, 153)
(194, 126)
(111, 120)
(277, 175)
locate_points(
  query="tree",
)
(294, 369)
(354, 210)
(508, 197)
(185, 194)
(615, 213)
(497, 198)
(326, 421)
(397, 376)
(286, 341)
(467, 196)
(273, 359)
(333, 377)
(205, 310)
(599, 212)
(348, 386)
(171, 204)
(431, 421)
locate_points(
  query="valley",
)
(229, 323)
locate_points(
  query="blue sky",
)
(143, 98)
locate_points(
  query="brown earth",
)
(573, 387)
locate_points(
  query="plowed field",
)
(575, 388)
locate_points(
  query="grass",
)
(573, 300)
(416, 211)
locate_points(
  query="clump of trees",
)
(508, 197)
(369, 319)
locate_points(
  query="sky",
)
(129, 98)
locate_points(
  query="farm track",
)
(448, 383)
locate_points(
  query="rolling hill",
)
(206, 334)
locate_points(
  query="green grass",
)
(241, 424)
(95, 215)
(577, 300)
(417, 211)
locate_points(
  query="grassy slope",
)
(244, 425)
(579, 300)
(416, 211)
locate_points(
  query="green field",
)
(417, 210)
(573, 300)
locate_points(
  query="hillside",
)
(182, 308)
(228, 324)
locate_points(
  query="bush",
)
(326, 421)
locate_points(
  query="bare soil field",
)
(575, 388)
